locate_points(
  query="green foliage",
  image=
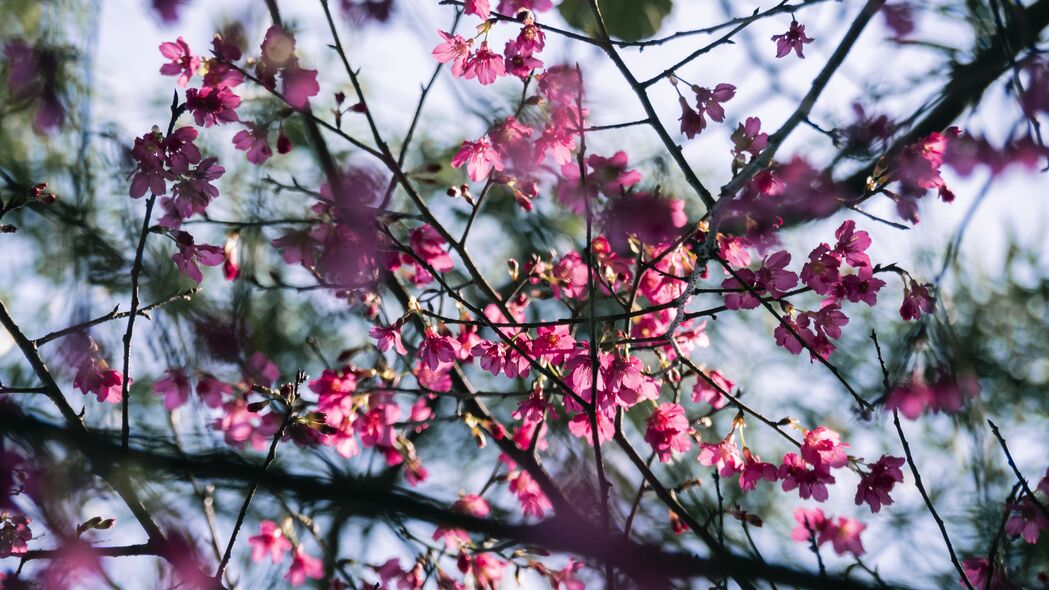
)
(629, 20)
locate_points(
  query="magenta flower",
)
(194, 192)
(823, 448)
(852, 245)
(793, 39)
(14, 535)
(876, 484)
(173, 387)
(692, 123)
(668, 431)
(811, 522)
(754, 470)
(485, 65)
(843, 533)
(180, 151)
(429, 245)
(455, 49)
(650, 217)
(748, 138)
(531, 39)
(481, 8)
(519, 62)
(917, 299)
(212, 391)
(737, 296)
(625, 380)
(98, 378)
(388, 336)
(703, 391)
(479, 157)
(810, 481)
(820, 273)
(708, 101)
(723, 456)
(299, 85)
(189, 255)
(303, 566)
(1027, 520)
(212, 106)
(183, 63)
(512, 6)
(772, 277)
(150, 173)
(844, 536)
(255, 141)
(436, 349)
(270, 541)
(862, 286)
(611, 174)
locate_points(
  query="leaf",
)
(628, 20)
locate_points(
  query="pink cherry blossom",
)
(270, 541)
(519, 62)
(455, 49)
(820, 273)
(485, 65)
(668, 431)
(299, 85)
(255, 141)
(436, 349)
(212, 106)
(772, 277)
(723, 456)
(480, 157)
(531, 39)
(212, 391)
(14, 534)
(692, 123)
(852, 244)
(183, 63)
(174, 387)
(98, 378)
(917, 299)
(1027, 520)
(388, 336)
(303, 566)
(704, 391)
(650, 217)
(794, 39)
(531, 497)
(189, 255)
(876, 484)
(512, 6)
(754, 470)
(749, 138)
(708, 101)
(611, 173)
(428, 244)
(481, 8)
(810, 481)
(811, 523)
(822, 447)
(862, 286)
